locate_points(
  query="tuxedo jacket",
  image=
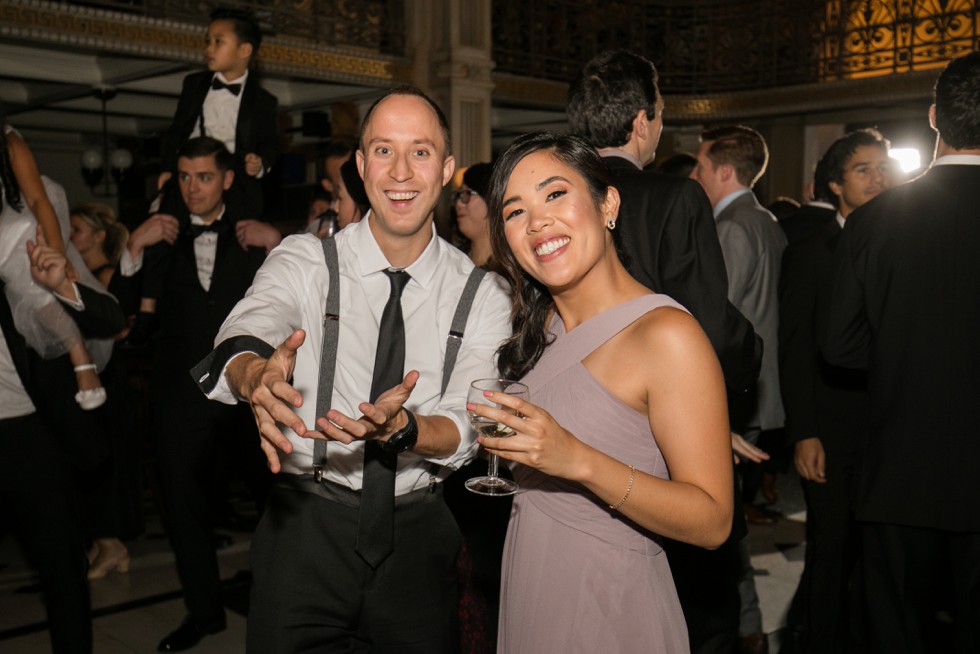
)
(189, 316)
(256, 132)
(752, 246)
(807, 220)
(821, 401)
(670, 239)
(906, 306)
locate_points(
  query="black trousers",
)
(191, 434)
(831, 618)
(35, 501)
(906, 571)
(311, 592)
(707, 586)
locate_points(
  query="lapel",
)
(203, 84)
(244, 126)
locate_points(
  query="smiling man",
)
(357, 549)
(206, 259)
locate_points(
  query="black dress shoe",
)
(187, 635)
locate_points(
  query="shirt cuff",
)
(77, 304)
(129, 266)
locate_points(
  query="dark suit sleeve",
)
(692, 271)
(101, 318)
(266, 130)
(797, 343)
(845, 336)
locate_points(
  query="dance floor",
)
(132, 612)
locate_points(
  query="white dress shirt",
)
(220, 112)
(289, 292)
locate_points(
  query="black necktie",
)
(217, 85)
(375, 524)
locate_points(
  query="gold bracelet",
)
(629, 489)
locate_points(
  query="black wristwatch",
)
(403, 439)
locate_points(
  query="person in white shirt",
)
(313, 585)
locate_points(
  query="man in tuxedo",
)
(667, 230)
(730, 162)
(226, 102)
(35, 501)
(210, 264)
(905, 306)
(826, 406)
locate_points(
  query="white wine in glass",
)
(492, 484)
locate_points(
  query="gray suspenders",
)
(331, 336)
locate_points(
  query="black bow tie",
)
(217, 85)
(196, 230)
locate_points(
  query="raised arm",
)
(32, 190)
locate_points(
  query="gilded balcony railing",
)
(374, 25)
(704, 46)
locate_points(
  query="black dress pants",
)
(190, 433)
(34, 498)
(906, 570)
(311, 592)
(830, 616)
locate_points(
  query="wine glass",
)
(492, 484)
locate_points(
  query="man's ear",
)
(245, 50)
(359, 160)
(448, 168)
(932, 117)
(727, 171)
(641, 126)
(228, 180)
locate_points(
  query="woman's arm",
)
(32, 190)
(686, 406)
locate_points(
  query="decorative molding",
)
(782, 101)
(112, 31)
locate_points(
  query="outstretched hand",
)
(538, 440)
(378, 421)
(264, 382)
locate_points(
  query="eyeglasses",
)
(463, 196)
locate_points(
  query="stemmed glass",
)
(492, 484)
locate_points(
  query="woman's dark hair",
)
(531, 303)
(9, 189)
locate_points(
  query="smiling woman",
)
(627, 437)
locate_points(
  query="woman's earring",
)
(611, 224)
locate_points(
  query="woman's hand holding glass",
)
(538, 440)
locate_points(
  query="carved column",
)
(450, 50)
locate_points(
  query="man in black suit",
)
(668, 231)
(826, 407)
(211, 264)
(905, 306)
(224, 103)
(34, 477)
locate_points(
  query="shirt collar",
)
(241, 80)
(958, 160)
(371, 260)
(728, 199)
(623, 154)
(197, 220)
(840, 220)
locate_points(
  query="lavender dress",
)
(577, 576)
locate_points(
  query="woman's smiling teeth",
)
(398, 196)
(551, 246)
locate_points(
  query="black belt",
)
(333, 492)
